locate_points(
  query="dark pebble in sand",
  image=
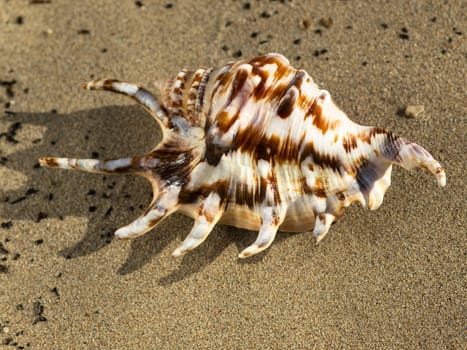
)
(3, 250)
(31, 191)
(7, 224)
(41, 216)
(38, 310)
(108, 212)
(326, 22)
(39, 319)
(11, 133)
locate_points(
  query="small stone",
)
(404, 36)
(38, 308)
(326, 22)
(306, 23)
(3, 250)
(84, 31)
(413, 111)
(41, 216)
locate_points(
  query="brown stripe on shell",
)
(281, 87)
(213, 153)
(313, 109)
(272, 180)
(283, 70)
(296, 81)
(240, 194)
(192, 196)
(366, 135)
(272, 148)
(389, 146)
(190, 110)
(265, 149)
(238, 81)
(208, 214)
(49, 161)
(202, 89)
(260, 89)
(319, 190)
(176, 162)
(175, 93)
(222, 80)
(108, 85)
(356, 163)
(322, 160)
(224, 120)
(235, 192)
(350, 142)
(270, 59)
(320, 121)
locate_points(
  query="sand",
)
(393, 278)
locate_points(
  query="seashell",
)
(257, 145)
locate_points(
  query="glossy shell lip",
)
(254, 144)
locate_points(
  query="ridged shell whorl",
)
(255, 144)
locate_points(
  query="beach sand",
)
(393, 278)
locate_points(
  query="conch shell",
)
(254, 144)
